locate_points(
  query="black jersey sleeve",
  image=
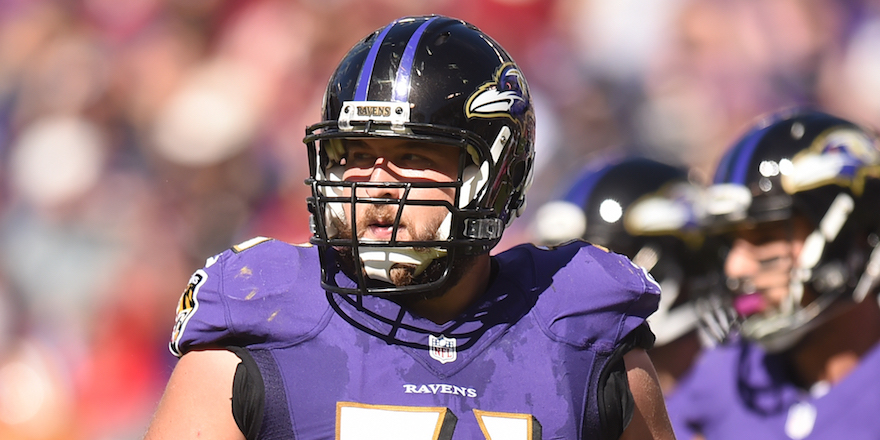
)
(615, 399)
(248, 394)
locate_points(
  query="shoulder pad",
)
(590, 296)
(261, 292)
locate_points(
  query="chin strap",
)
(378, 261)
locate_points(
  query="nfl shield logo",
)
(442, 348)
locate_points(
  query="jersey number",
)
(357, 421)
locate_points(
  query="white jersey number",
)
(357, 421)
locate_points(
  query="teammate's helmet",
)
(804, 162)
(433, 79)
(640, 208)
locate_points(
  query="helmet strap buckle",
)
(483, 228)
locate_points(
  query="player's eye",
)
(357, 158)
(415, 161)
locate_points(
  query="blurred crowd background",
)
(139, 137)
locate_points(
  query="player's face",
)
(761, 261)
(395, 161)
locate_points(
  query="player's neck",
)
(459, 297)
(833, 350)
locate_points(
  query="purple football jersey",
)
(739, 391)
(522, 363)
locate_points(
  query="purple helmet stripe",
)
(404, 70)
(581, 192)
(722, 172)
(742, 158)
(367, 70)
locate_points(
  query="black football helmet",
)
(641, 208)
(434, 79)
(827, 169)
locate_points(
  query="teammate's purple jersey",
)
(739, 391)
(522, 363)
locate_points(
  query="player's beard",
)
(402, 274)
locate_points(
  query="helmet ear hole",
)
(518, 173)
(516, 200)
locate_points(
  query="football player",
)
(396, 323)
(798, 198)
(639, 207)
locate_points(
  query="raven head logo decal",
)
(506, 96)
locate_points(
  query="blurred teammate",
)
(798, 195)
(396, 323)
(620, 204)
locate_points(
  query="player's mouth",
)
(749, 304)
(376, 223)
(380, 230)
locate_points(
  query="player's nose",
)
(740, 261)
(382, 172)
